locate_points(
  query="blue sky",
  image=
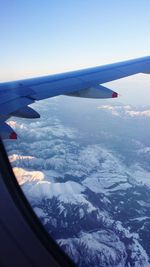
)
(42, 36)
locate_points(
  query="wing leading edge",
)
(17, 95)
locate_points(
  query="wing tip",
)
(114, 95)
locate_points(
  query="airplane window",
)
(84, 167)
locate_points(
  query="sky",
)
(40, 37)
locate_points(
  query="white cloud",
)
(133, 113)
(110, 108)
(15, 125)
(125, 110)
(15, 157)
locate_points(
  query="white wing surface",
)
(17, 95)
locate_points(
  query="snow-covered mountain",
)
(88, 180)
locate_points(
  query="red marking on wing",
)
(13, 135)
(114, 94)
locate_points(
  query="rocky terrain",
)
(86, 174)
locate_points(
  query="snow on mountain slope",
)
(140, 175)
(104, 248)
(24, 176)
(74, 204)
(68, 192)
(91, 184)
(101, 248)
(106, 172)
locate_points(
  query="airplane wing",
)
(17, 95)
